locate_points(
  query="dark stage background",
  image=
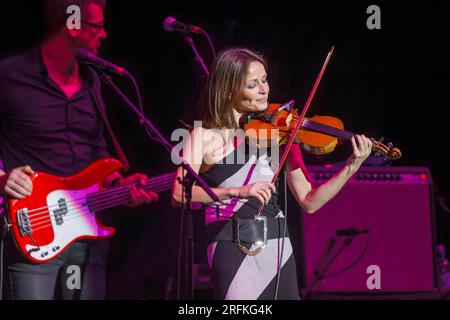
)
(392, 82)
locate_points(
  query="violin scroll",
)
(387, 151)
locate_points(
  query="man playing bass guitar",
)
(52, 120)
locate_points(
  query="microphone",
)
(350, 232)
(171, 24)
(89, 57)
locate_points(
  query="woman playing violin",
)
(242, 268)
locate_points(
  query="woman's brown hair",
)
(224, 86)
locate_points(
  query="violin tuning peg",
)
(291, 103)
(390, 145)
(381, 139)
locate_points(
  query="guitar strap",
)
(98, 101)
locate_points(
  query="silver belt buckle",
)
(262, 243)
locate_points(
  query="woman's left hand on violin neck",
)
(362, 147)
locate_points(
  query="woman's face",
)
(256, 89)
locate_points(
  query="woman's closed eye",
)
(253, 84)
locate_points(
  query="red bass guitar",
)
(61, 210)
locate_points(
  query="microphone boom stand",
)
(198, 57)
(318, 275)
(187, 185)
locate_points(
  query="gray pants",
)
(77, 274)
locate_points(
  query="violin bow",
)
(299, 121)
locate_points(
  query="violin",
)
(317, 135)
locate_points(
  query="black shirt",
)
(40, 126)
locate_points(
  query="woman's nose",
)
(263, 88)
